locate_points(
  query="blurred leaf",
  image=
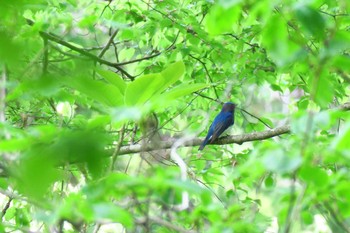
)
(280, 161)
(22, 217)
(342, 62)
(220, 19)
(269, 182)
(99, 121)
(276, 88)
(108, 211)
(307, 217)
(122, 114)
(341, 142)
(36, 172)
(276, 39)
(267, 121)
(184, 186)
(182, 90)
(114, 79)
(15, 144)
(303, 103)
(322, 120)
(311, 20)
(97, 90)
(10, 214)
(10, 50)
(314, 175)
(301, 125)
(172, 74)
(339, 43)
(142, 89)
(69, 147)
(324, 90)
(126, 54)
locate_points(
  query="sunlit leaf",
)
(142, 89)
(315, 176)
(108, 211)
(172, 74)
(114, 79)
(105, 93)
(341, 142)
(221, 19)
(182, 90)
(324, 91)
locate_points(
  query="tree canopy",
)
(103, 105)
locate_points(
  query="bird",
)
(222, 121)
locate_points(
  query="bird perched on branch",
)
(221, 122)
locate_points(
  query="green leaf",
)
(102, 92)
(267, 121)
(307, 217)
(314, 175)
(303, 103)
(324, 89)
(278, 45)
(269, 182)
(171, 74)
(109, 211)
(342, 62)
(35, 173)
(113, 78)
(338, 43)
(10, 214)
(312, 20)
(98, 121)
(276, 87)
(183, 90)
(280, 161)
(122, 114)
(142, 89)
(341, 142)
(15, 144)
(221, 19)
(126, 54)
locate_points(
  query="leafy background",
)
(86, 86)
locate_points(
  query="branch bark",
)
(238, 139)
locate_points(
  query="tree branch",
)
(58, 40)
(164, 223)
(238, 139)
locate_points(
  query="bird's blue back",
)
(221, 122)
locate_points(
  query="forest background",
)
(103, 105)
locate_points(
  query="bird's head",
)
(228, 107)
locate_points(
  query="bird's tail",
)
(204, 143)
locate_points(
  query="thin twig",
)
(6, 207)
(109, 42)
(207, 71)
(118, 146)
(255, 117)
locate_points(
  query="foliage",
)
(81, 80)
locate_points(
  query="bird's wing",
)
(222, 122)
